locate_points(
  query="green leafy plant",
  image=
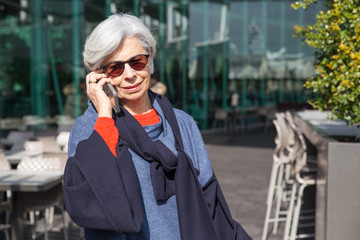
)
(336, 39)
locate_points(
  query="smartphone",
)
(111, 92)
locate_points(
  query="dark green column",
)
(264, 6)
(245, 50)
(37, 79)
(298, 81)
(161, 49)
(184, 53)
(225, 63)
(136, 8)
(205, 53)
(282, 24)
(107, 8)
(54, 73)
(76, 55)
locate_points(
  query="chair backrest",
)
(284, 139)
(4, 163)
(33, 201)
(61, 128)
(278, 138)
(34, 146)
(42, 163)
(59, 157)
(220, 114)
(63, 139)
(12, 123)
(22, 136)
(17, 138)
(300, 157)
(32, 120)
(65, 120)
(48, 132)
(50, 144)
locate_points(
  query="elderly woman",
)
(142, 172)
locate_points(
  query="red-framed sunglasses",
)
(115, 69)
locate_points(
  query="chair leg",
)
(270, 197)
(279, 192)
(51, 211)
(66, 236)
(6, 233)
(33, 221)
(7, 237)
(46, 221)
(82, 233)
(290, 212)
(297, 209)
(32, 216)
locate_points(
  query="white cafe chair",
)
(17, 138)
(34, 146)
(50, 144)
(280, 185)
(47, 200)
(300, 223)
(62, 139)
(220, 115)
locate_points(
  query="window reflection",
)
(207, 52)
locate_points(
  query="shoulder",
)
(188, 127)
(187, 124)
(82, 128)
(184, 118)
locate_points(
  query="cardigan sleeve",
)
(226, 227)
(95, 194)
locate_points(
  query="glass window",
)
(208, 52)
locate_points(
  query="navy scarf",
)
(173, 174)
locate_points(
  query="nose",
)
(128, 73)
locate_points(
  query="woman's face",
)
(132, 85)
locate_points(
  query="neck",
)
(139, 106)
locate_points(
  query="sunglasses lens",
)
(115, 69)
(138, 62)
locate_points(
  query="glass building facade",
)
(208, 52)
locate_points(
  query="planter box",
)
(338, 178)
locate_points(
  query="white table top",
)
(29, 181)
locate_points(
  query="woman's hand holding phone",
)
(95, 82)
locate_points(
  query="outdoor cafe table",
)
(337, 148)
(25, 182)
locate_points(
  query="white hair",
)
(108, 35)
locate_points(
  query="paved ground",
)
(242, 163)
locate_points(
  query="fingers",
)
(93, 81)
(94, 87)
(94, 77)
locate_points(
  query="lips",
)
(132, 87)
